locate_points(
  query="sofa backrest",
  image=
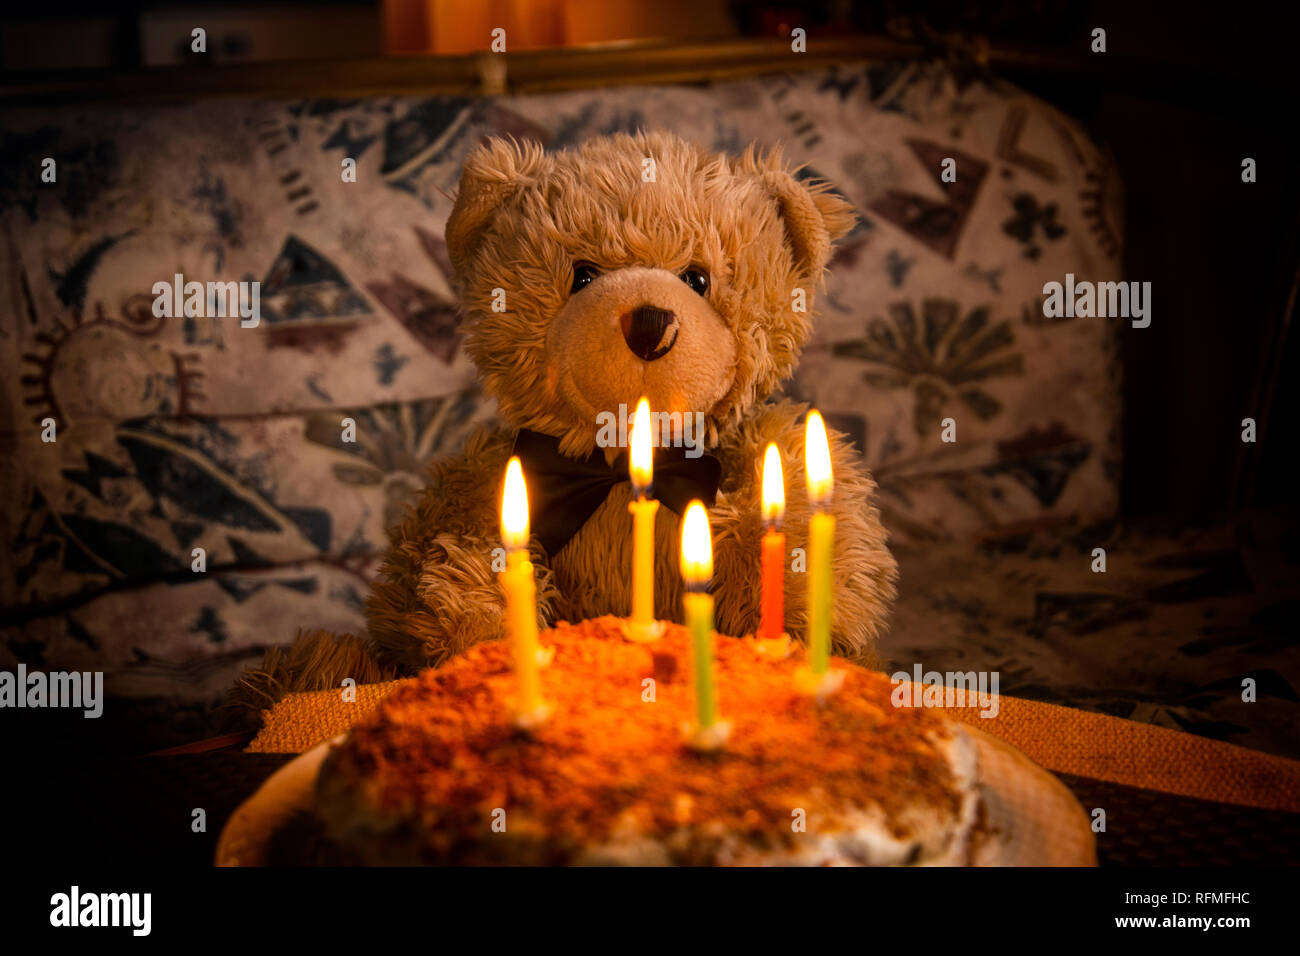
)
(184, 432)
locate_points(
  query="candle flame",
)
(773, 485)
(697, 545)
(514, 507)
(817, 459)
(642, 455)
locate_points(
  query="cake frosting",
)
(438, 775)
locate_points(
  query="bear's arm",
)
(863, 570)
(437, 593)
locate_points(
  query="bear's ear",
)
(492, 173)
(814, 218)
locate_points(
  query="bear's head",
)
(635, 265)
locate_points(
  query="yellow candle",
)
(643, 560)
(821, 536)
(529, 708)
(707, 733)
(642, 626)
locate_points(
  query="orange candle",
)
(772, 624)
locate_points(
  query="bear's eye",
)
(584, 273)
(697, 279)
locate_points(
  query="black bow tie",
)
(564, 492)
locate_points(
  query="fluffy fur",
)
(554, 359)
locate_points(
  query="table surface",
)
(1143, 827)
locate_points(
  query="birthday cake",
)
(438, 775)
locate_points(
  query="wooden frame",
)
(637, 62)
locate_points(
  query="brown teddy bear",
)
(630, 266)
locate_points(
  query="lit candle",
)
(707, 733)
(642, 626)
(529, 708)
(817, 678)
(772, 639)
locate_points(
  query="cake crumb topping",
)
(439, 758)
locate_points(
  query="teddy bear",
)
(634, 265)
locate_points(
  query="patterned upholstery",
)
(195, 432)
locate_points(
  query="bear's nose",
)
(650, 332)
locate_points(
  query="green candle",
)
(821, 536)
(707, 733)
(699, 621)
